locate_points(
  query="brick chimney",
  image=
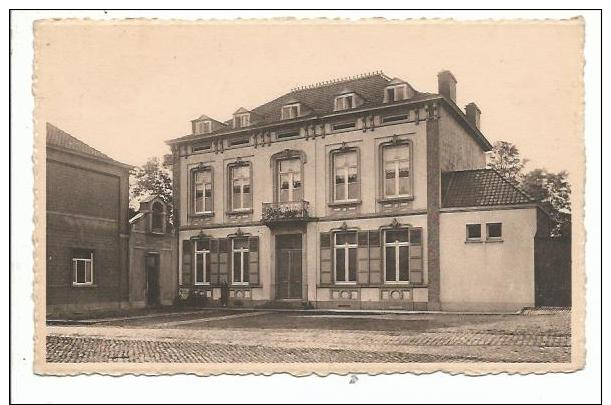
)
(447, 84)
(473, 112)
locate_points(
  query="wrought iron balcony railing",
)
(285, 212)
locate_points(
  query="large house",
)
(358, 193)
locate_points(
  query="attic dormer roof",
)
(241, 110)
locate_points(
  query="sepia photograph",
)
(309, 196)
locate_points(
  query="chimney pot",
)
(447, 84)
(473, 113)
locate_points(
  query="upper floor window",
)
(241, 120)
(345, 248)
(203, 127)
(346, 176)
(494, 231)
(240, 260)
(344, 102)
(395, 93)
(240, 184)
(289, 180)
(290, 111)
(202, 261)
(82, 267)
(202, 191)
(158, 217)
(396, 170)
(474, 232)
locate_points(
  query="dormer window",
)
(290, 111)
(241, 120)
(203, 127)
(344, 102)
(395, 93)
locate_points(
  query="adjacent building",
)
(97, 258)
(87, 196)
(359, 193)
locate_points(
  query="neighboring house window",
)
(202, 191)
(474, 232)
(290, 111)
(203, 127)
(344, 102)
(396, 255)
(396, 93)
(157, 220)
(346, 176)
(82, 267)
(344, 246)
(396, 171)
(241, 196)
(494, 231)
(239, 248)
(202, 261)
(241, 121)
(289, 180)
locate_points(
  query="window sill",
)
(345, 284)
(484, 241)
(344, 203)
(84, 285)
(203, 214)
(239, 212)
(386, 200)
(474, 241)
(499, 240)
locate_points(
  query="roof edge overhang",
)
(490, 207)
(108, 161)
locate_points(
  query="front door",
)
(288, 266)
(152, 279)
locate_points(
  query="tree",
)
(505, 158)
(553, 191)
(152, 178)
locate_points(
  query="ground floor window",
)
(82, 267)
(396, 255)
(345, 245)
(202, 261)
(240, 256)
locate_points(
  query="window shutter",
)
(224, 260)
(375, 259)
(325, 258)
(214, 261)
(187, 262)
(362, 276)
(253, 259)
(415, 256)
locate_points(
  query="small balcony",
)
(283, 212)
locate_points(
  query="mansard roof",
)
(480, 188)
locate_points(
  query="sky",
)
(125, 88)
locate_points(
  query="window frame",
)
(242, 261)
(396, 246)
(74, 261)
(205, 124)
(230, 180)
(291, 189)
(382, 172)
(205, 253)
(289, 107)
(194, 191)
(342, 98)
(334, 154)
(346, 247)
(494, 238)
(470, 239)
(394, 88)
(241, 120)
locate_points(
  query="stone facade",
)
(332, 196)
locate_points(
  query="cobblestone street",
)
(275, 337)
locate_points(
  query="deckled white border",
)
(378, 388)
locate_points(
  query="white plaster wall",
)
(488, 275)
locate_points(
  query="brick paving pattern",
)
(494, 339)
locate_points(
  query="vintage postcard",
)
(309, 196)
